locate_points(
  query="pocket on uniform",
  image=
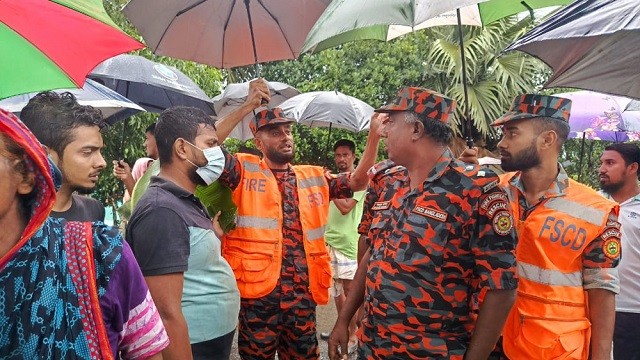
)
(323, 262)
(553, 338)
(250, 260)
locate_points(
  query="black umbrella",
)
(152, 85)
(590, 44)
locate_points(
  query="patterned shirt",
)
(432, 249)
(292, 289)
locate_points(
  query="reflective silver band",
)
(549, 277)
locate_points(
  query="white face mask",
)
(215, 164)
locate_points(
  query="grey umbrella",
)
(114, 106)
(152, 85)
(225, 34)
(590, 44)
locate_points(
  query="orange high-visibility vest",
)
(254, 247)
(550, 317)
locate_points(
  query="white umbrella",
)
(331, 109)
(234, 95)
(114, 106)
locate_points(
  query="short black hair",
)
(438, 131)
(178, 122)
(52, 117)
(345, 142)
(560, 127)
(151, 129)
(630, 153)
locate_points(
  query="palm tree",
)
(493, 79)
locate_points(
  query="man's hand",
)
(339, 342)
(217, 229)
(376, 121)
(258, 93)
(469, 155)
(121, 169)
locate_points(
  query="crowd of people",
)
(427, 256)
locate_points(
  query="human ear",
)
(418, 130)
(27, 183)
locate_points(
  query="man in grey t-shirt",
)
(172, 238)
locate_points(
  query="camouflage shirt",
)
(432, 249)
(292, 289)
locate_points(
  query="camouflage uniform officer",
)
(441, 231)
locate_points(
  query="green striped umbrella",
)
(48, 45)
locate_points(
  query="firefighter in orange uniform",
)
(277, 250)
(569, 241)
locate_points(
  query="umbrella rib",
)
(277, 22)
(179, 13)
(224, 30)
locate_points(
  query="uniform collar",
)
(441, 166)
(558, 187)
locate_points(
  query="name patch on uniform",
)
(431, 212)
(502, 223)
(489, 186)
(381, 205)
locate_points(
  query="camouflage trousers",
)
(265, 329)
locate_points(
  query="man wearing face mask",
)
(173, 239)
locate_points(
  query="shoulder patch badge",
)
(611, 244)
(502, 223)
(611, 248)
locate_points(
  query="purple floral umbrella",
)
(597, 116)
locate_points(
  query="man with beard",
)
(277, 249)
(71, 133)
(440, 231)
(619, 171)
(568, 241)
(172, 236)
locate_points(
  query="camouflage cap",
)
(529, 106)
(426, 103)
(268, 117)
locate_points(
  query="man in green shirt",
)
(342, 234)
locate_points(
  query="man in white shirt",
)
(619, 171)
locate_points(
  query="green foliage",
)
(124, 140)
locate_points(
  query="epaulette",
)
(383, 168)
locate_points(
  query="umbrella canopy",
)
(234, 95)
(600, 116)
(54, 44)
(590, 44)
(114, 106)
(344, 21)
(329, 109)
(152, 85)
(225, 34)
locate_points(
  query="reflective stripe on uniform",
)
(310, 182)
(547, 276)
(257, 222)
(252, 167)
(315, 234)
(576, 209)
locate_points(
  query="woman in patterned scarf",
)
(68, 290)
